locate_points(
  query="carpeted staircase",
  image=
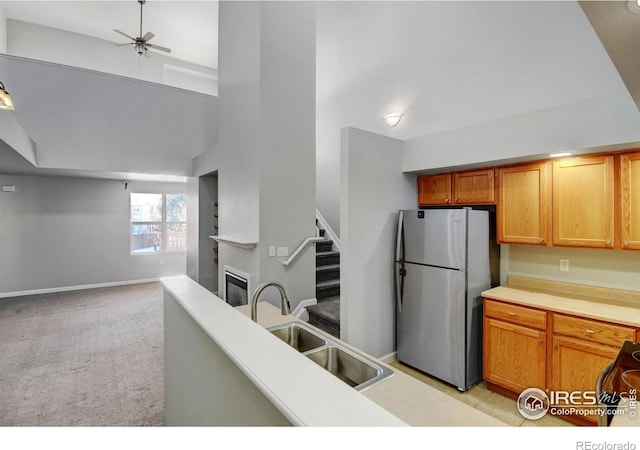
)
(326, 314)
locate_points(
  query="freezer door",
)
(436, 237)
(431, 324)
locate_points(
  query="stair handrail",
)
(301, 247)
(328, 230)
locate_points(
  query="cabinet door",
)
(630, 200)
(583, 197)
(514, 356)
(434, 190)
(523, 199)
(576, 364)
(474, 187)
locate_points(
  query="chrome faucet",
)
(285, 308)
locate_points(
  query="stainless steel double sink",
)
(355, 369)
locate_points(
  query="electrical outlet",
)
(564, 265)
(282, 251)
(272, 250)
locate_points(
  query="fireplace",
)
(236, 287)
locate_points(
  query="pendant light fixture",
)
(5, 99)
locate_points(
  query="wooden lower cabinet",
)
(530, 347)
(514, 356)
(575, 366)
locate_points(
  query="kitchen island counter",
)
(412, 401)
(223, 369)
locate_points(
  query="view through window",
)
(158, 223)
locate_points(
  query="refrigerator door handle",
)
(399, 271)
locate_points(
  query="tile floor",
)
(494, 404)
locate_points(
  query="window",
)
(158, 223)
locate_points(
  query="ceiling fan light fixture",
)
(6, 102)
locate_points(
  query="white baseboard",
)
(387, 359)
(300, 311)
(75, 288)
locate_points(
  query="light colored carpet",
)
(83, 358)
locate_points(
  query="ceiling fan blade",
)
(148, 36)
(157, 47)
(124, 45)
(124, 34)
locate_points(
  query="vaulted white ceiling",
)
(189, 28)
(92, 122)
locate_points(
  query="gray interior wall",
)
(63, 232)
(3, 30)
(591, 123)
(373, 190)
(265, 156)
(193, 228)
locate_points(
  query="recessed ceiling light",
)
(633, 6)
(560, 155)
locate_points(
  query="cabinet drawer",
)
(592, 330)
(516, 314)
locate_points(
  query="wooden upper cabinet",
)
(523, 204)
(475, 187)
(583, 201)
(434, 190)
(630, 200)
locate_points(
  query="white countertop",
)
(625, 314)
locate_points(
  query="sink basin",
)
(353, 369)
(357, 370)
(298, 336)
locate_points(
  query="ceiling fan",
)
(141, 43)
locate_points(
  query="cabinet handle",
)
(607, 242)
(457, 200)
(555, 347)
(626, 243)
(541, 239)
(540, 343)
(589, 331)
(512, 314)
(446, 200)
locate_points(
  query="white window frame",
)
(164, 226)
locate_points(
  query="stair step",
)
(329, 288)
(328, 272)
(327, 258)
(324, 246)
(326, 316)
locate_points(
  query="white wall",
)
(62, 232)
(594, 267)
(373, 190)
(265, 156)
(469, 76)
(87, 52)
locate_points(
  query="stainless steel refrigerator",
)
(442, 266)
